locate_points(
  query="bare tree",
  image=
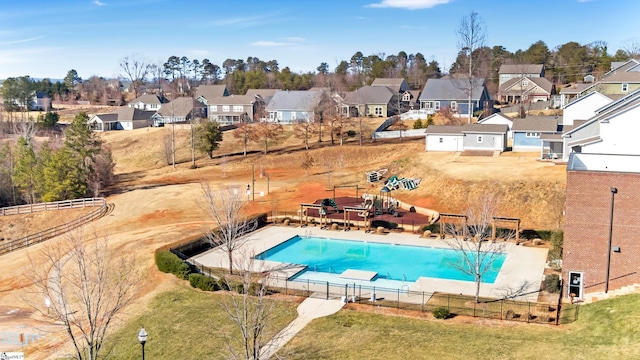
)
(471, 36)
(473, 241)
(252, 311)
(85, 286)
(307, 163)
(304, 130)
(245, 133)
(136, 68)
(268, 132)
(231, 226)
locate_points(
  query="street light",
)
(613, 194)
(142, 337)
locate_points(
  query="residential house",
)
(526, 89)
(571, 92)
(527, 132)
(372, 101)
(499, 119)
(399, 85)
(508, 72)
(290, 107)
(584, 108)
(123, 118)
(618, 82)
(148, 102)
(601, 250)
(237, 109)
(265, 94)
(41, 101)
(206, 93)
(453, 94)
(467, 137)
(179, 110)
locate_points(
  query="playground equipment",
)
(376, 175)
(395, 183)
(330, 202)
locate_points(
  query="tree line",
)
(30, 172)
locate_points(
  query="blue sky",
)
(46, 38)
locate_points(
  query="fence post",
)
(422, 305)
(398, 298)
(501, 303)
(559, 302)
(327, 290)
(474, 308)
(346, 292)
(308, 290)
(528, 311)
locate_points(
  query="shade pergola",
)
(511, 223)
(321, 211)
(360, 211)
(452, 219)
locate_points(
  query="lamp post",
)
(142, 337)
(613, 194)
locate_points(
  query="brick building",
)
(590, 179)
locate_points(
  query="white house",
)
(613, 130)
(584, 108)
(123, 118)
(147, 102)
(444, 138)
(499, 119)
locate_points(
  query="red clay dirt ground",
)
(155, 204)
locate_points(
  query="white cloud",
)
(409, 4)
(12, 42)
(99, 3)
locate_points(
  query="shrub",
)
(351, 133)
(557, 240)
(168, 262)
(202, 282)
(441, 312)
(434, 228)
(551, 283)
(417, 124)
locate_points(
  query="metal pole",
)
(142, 351)
(253, 183)
(613, 194)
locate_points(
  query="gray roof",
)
(387, 82)
(233, 100)
(302, 100)
(181, 107)
(541, 82)
(452, 89)
(443, 130)
(485, 128)
(546, 124)
(125, 113)
(575, 88)
(148, 99)
(210, 92)
(262, 92)
(369, 95)
(521, 69)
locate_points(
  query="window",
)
(440, 140)
(625, 87)
(454, 106)
(237, 108)
(479, 139)
(436, 105)
(272, 115)
(294, 116)
(406, 97)
(525, 83)
(377, 111)
(225, 108)
(213, 108)
(575, 284)
(533, 135)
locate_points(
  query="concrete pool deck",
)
(522, 264)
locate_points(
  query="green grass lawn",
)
(604, 330)
(186, 324)
(189, 324)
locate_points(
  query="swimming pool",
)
(393, 262)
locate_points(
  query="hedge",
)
(168, 262)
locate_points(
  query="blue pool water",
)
(393, 262)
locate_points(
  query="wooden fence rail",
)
(57, 205)
(13, 245)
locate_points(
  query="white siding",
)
(619, 136)
(583, 108)
(436, 142)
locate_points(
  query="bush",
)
(557, 240)
(441, 312)
(168, 262)
(551, 283)
(202, 282)
(434, 228)
(351, 133)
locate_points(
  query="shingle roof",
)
(387, 82)
(443, 130)
(451, 89)
(125, 113)
(302, 100)
(233, 100)
(181, 106)
(485, 128)
(521, 69)
(262, 92)
(541, 82)
(148, 99)
(210, 92)
(369, 95)
(575, 88)
(548, 124)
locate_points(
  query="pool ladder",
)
(388, 276)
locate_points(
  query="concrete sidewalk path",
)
(308, 310)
